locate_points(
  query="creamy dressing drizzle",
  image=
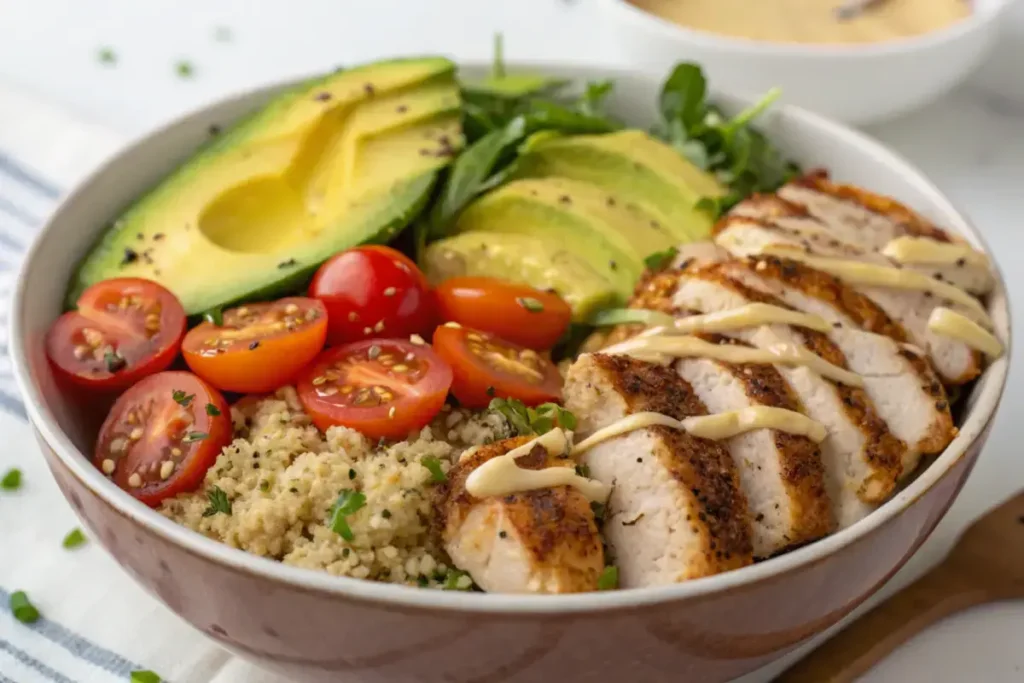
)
(721, 426)
(501, 476)
(925, 250)
(660, 347)
(750, 315)
(873, 275)
(949, 323)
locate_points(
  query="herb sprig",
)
(529, 421)
(218, 502)
(349, 502)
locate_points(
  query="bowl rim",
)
(643, 20)
(392, 596)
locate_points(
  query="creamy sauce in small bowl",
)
(820, 22)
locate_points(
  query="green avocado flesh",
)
(580, 216)
(343, 160)
(524, 259)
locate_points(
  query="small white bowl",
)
(857, 84)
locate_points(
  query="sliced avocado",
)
(341, 160)
(535, 261)
(631, 167)
(626, 224)
(507, 211)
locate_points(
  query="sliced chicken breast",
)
(539, 541)
(955, 361)
(862, 458)
(781, 474)
(905, 391)
(676, 511)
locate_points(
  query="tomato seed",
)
(291, 309)
(367, 331)
(379, 327)
(108, 466)
(92, 337)
(401, 368)
(353, 316)
(175, 452)
(135, 434)
(135, 481)
(329, 391)
(242, 312)
(166, 469)
(417, 340)
(317, 381)
(118, 445)
(391, 413)
(81, 352)
(347, 389)
(390, 291)
(374, 352)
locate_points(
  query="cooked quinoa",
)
(282, 477)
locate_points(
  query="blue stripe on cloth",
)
(5, 679)
(33, 663)
(11, 243)
(19, 214)
(30, 178)
(14, 406)
(80, 647)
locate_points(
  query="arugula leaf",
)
(181, 398)
(145, 677)
(533, 421)
(609, 579)
(434, 465)
(74, 539)
(11, 480)
(23, 610)
(349, 502)
(594, 96)
(218, 502)
(660, 259)
(739, 156)
(452, 580)
(214, 316)
(630, 316)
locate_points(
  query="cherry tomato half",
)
(259, 347)
(124, 329)
(373, 291)
(517, 313)
(485, 366)
(384, 388)
(162, 435)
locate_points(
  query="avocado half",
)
(580, 215)
(342, 160)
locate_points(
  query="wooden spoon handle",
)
(854, 650)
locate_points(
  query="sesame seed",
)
(135, 481)
(390, 291)
(108, 466)
(166, 469)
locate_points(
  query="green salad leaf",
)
(533, 421)
(23, 610)
(609, 579)
(741, 157)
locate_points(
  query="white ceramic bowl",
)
(857, 84)
(317, 628)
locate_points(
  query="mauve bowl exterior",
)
(313, 627)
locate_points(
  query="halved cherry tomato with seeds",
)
(373, 291)
(517, 313)
(162, 435)
(384, 388)
(485, 366)
(123, 330)
(259, 347)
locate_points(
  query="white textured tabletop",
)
(971, 143)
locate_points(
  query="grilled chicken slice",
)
(905, 391)
(955, 360)
(781, 474)
(539, 541)
(676, 511)
(862, 458)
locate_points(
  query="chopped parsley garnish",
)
(660, 259)
(185, 69)
(349, 502)
(114, 360)
(107, 56)
(583, 471)
(264, 485)
(74, 539)
(24, 611)
(527, 421)
(218, 502)
(598, 510)
(434, 465)
(351, 474)
(530, 304)
(212, 410)
(194, 436)
(145, 677)
(214, 316)
(452, 581)
(181, 398)
(609, 579)
(11, 480)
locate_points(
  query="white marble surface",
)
(971, 143)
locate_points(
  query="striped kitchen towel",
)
(97, 625)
